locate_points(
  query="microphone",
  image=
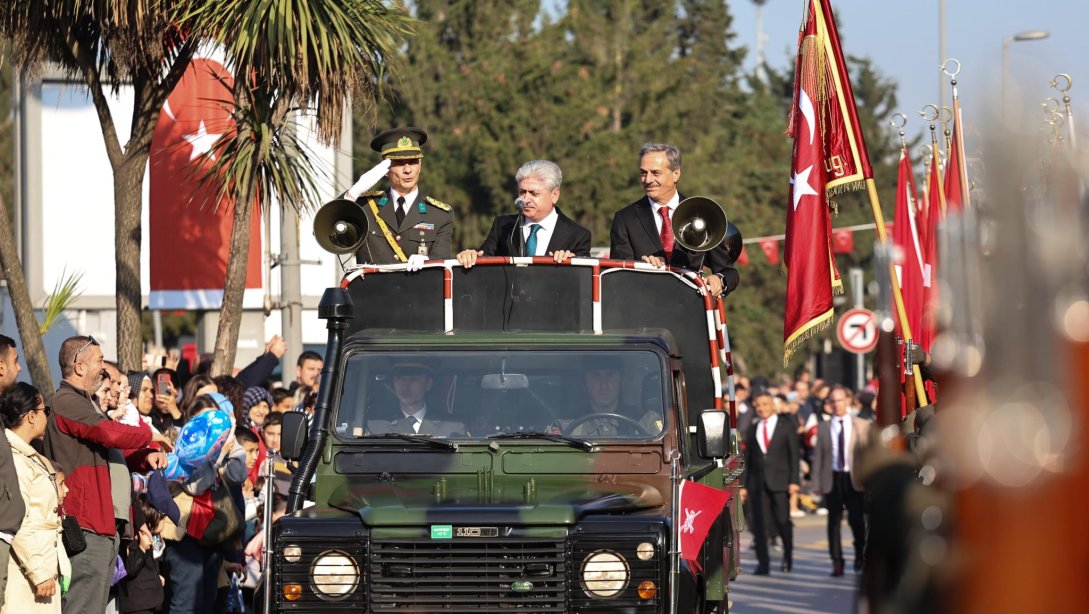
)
(520, 203)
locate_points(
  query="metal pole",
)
(1005, 70)
(858, 292)
(941, 49)
(675, 550)
(290, 284)
(266, 568)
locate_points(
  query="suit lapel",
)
(645, 213)
(559, 234)
(388, 212)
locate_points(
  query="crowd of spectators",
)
(89, 521)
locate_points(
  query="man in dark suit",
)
(644, 229)
(540, 229)
(411, 381)
(404, 224)
(771, 476)
(841, 442)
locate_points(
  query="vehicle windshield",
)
(590, 395)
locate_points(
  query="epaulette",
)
(372, 193)
(438, 203)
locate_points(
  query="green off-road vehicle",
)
(563, 406)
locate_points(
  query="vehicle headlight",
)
(292, 554)
(334, 575)
(604, 574)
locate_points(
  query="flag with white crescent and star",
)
(189, 227)
(807, 249)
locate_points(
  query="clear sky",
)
(902, 39)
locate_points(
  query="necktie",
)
(415, 423)
(400, 210)
(767, 441)
(667, 232)
(839, 441)
(531, 242)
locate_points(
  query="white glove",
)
(416, 261)
(368, 179)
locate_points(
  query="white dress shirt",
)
(770, 425)
(843, 423)
(544, 233)
(410, 198)
(672, 204)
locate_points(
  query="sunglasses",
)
(48, 411)
(89, 343)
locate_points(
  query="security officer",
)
(404, 225)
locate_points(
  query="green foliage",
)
(64, 293)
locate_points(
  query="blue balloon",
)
(199, 440)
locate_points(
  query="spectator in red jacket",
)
(80, 437)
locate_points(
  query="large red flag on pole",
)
(905, 235)
(808, 260)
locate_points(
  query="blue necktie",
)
(531, 242)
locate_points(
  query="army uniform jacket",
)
(428, 229)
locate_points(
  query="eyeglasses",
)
(92, 341)
(48, 411)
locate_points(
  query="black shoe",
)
(837, 570)
(786, 566)
(859, 563)
(761, 571)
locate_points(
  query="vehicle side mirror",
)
(293, 435)
(712, 433)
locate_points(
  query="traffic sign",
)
(857, 331)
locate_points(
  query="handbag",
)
(72, 535)
(214, 518)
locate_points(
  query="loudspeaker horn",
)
(340, 226)
(733, 241)
(699, 224)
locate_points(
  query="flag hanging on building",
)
(189, 229)
(700, 507)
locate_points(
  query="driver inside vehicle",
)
(605, 415)
(411, 381)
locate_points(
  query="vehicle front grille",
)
(467, 575)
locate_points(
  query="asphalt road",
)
(808, 589)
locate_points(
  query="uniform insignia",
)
(424, 226)
(383, 201)
(371, 194)
(438, 203)
(404, 142)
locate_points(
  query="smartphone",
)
(162, 384)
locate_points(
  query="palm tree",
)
(288, 56)
(107, 44)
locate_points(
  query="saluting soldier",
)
(405, 225)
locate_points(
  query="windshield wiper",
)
(428, 439)
(574, 442)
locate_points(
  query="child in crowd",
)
(142, 588)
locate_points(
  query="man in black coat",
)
(771, 476)
(540, 229)
(640, 232)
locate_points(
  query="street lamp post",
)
(1027, 35)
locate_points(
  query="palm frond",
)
(65, 292)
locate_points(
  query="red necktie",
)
(767, 442)
(667, 232)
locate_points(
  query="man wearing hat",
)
(404, 224)
(410, 382)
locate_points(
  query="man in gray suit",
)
(841, 442)
(410, 383)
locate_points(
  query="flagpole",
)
(1065, 89)
(897, 295)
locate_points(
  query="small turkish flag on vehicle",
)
(700, 507)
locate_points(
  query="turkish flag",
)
(956, 193)
(743, 257)
(843, 241)
(700, 506)
(189, 227)
(770, 247)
